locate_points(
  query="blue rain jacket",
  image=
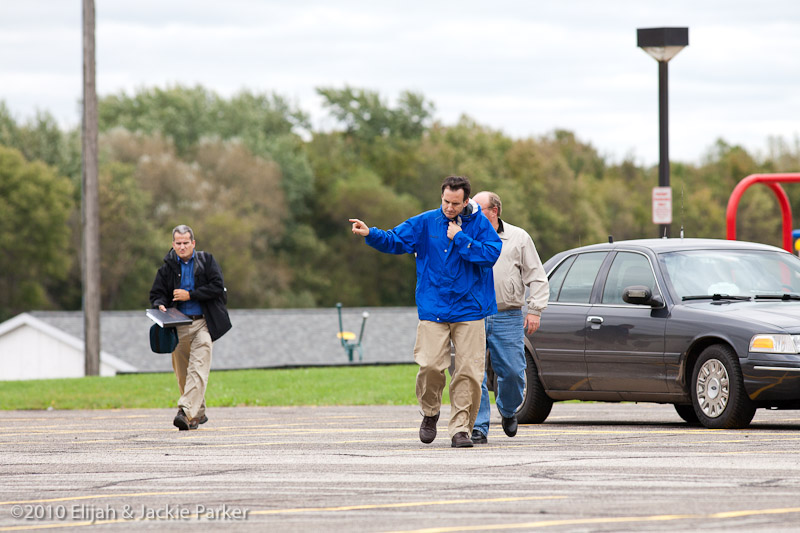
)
(454, 277)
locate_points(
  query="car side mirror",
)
(641, 295)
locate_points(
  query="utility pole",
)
(90, 206)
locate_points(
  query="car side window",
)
(627, 269)
(557, 277)
(577, 286)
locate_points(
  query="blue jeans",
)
(505, 338)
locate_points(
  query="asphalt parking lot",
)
(590, 467)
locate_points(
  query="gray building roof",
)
(260, 338)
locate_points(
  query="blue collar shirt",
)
(191, 307)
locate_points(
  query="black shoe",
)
(510, 425)
(478, 437)
(427, 430)
(183, 423)
(202, 420)
(461, 440)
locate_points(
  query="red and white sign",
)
(662, 205)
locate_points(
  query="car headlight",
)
(775, 343)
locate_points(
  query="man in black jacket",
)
(192, 281)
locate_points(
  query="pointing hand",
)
(359, 227)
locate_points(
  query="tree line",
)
(270, 196)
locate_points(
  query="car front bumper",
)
(772, 377)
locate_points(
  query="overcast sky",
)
(523, 67)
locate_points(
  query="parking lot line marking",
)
(401, 505)
(285, 511)
(549, 523)
(756, 452)
(567, 431)
(99, 496)
(286, 429)
(606, 520)
(483, 527)
(194, 445)
(60, 432)
(298, 431)
(754, 512)
(48, 526)
(50, 432)
(8, 425)
(197, 447)
(242, 444)
(79, 524)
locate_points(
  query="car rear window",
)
(578, 278)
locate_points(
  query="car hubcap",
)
(712, 388)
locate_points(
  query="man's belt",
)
(195, 317)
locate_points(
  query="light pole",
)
(663, 44)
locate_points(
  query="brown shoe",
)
(461, 440)
(183, 423)
(427, 430)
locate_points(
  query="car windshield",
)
(732, 272)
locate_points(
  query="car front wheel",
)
(718, 394)
(536, 404)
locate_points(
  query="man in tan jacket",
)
(518, 267)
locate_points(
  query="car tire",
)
(718, 395)
(536, 405)
(687, 413)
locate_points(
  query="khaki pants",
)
(432, 354)
(191, 362)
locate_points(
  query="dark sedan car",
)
(710, 326)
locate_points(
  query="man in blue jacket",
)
(456, 247)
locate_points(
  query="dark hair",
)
(455, 183)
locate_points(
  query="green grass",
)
(355, 385)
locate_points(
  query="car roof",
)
(675, 245)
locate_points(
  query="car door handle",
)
(595, 319)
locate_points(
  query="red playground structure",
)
(773, 182)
